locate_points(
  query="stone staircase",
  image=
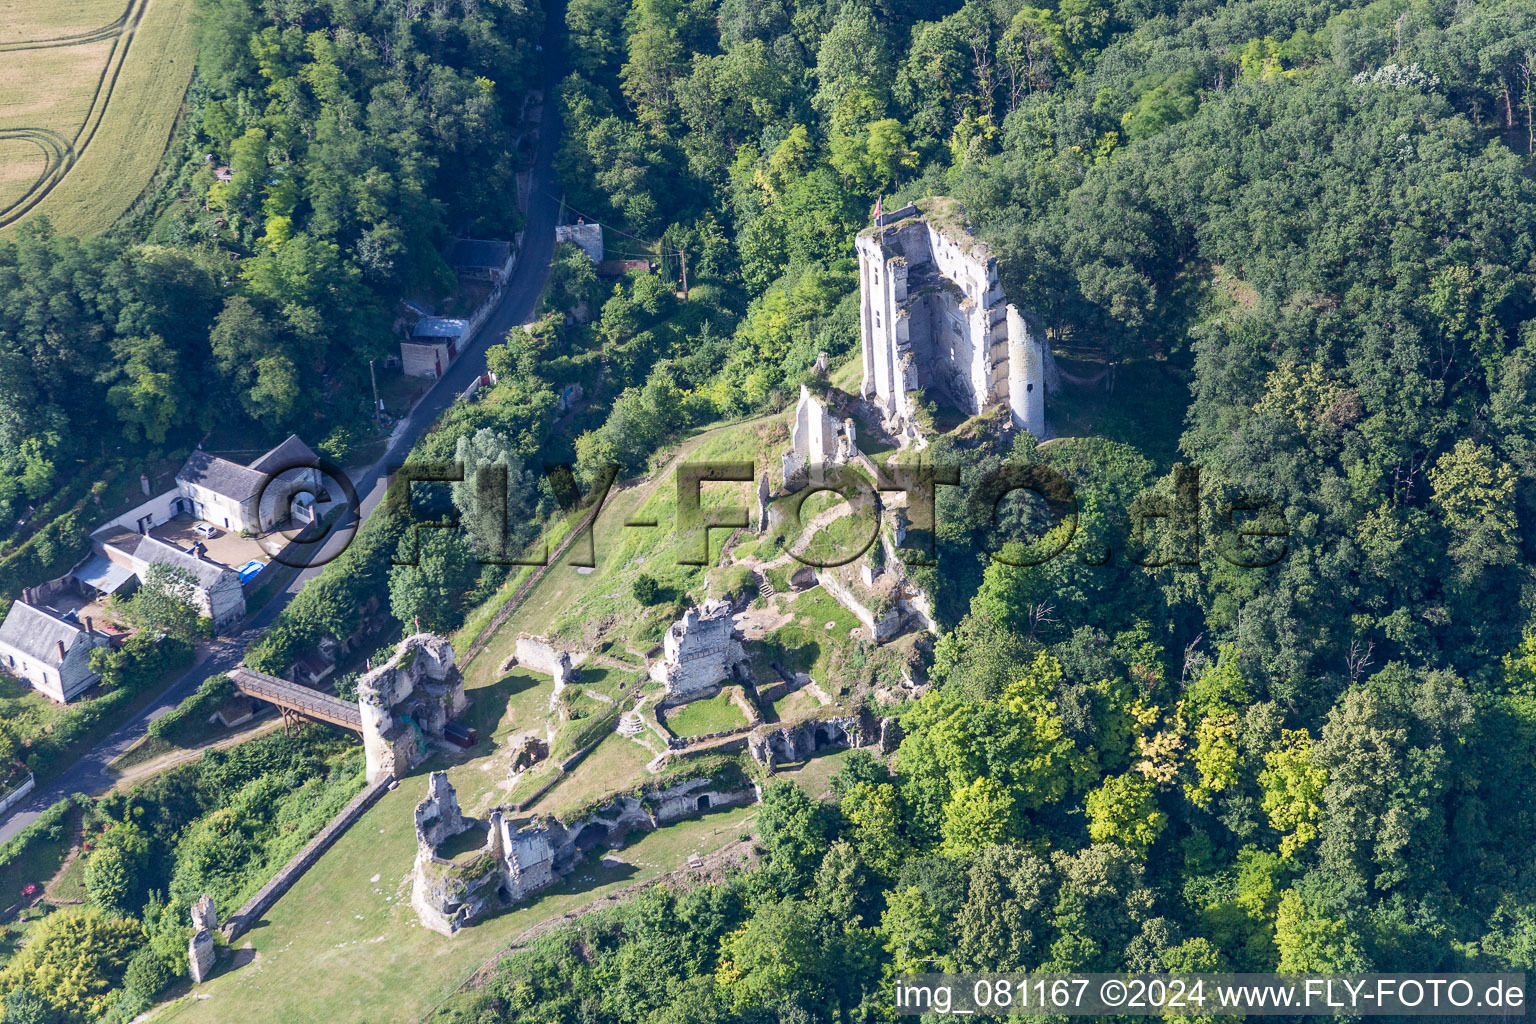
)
(630, 724)
(764, 586)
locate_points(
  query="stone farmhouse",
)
(277, 489)
(52, 654)
(217, 591)
(239, 498)
(934, 321)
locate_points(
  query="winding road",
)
(89, 774)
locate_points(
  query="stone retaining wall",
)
(302, 861)
(16, 795)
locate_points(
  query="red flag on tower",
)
(878, 203)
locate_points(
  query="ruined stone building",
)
(467, 868)
(201, 950)
(776, 745)
(935, 323)
(536, 654)
(406, 702)
(700, 651)
(817, 439)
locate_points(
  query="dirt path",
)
(69, 859)
(139, 772)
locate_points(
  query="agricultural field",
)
(89, 94)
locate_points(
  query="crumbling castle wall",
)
(406, 702)
(817, 439)
(201, 949)
(700, 651)
(467, 869)
(934, 320)
(537, 654)
(793, 743)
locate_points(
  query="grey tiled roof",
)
(37, 633)
(232, 480)
(288, 455)
(475, 252)
(207, 574)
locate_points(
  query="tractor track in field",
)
(61, 154)
(94, 35)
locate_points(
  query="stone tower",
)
(201, 950)
(405, 703)
(934, 323)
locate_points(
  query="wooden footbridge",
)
(296, 701)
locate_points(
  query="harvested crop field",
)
(89, 93)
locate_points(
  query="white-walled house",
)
(228, 495)
(48, 652)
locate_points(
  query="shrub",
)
(148, 974)
(193, 711)
(74, 958)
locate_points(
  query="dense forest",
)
(1304, 231)
(1296, 237)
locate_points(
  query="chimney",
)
(89, 626)
(61, 649)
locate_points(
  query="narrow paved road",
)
(89, 774)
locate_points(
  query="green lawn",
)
(616, 763)
(71, 886)
(696, 718)
(39, 862)
(349, 918)
(797, 704)
(584, 608)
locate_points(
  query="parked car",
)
(206, 530)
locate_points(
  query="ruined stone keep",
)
(700, 652)
(406, 702)
(934, 321)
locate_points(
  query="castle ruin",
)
(817, 439)
(934, 321)
(201, 949)
(700, 651)
(467, 868)
(406, 702)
